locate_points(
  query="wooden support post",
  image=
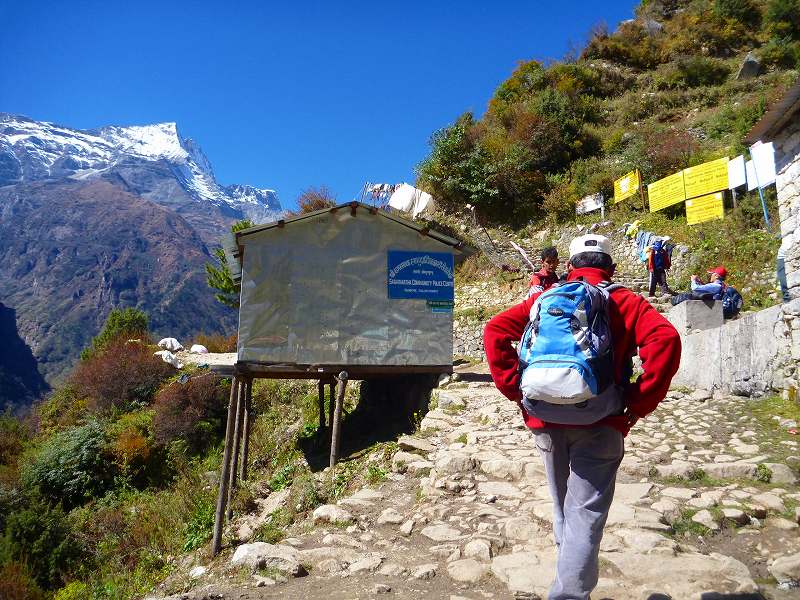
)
(237, 437)
(321, 404)
(248, 417)
(331, 406)
(337, 418)
(222, 496)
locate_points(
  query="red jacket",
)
(542, 280)
(634, 324)
(651, 266)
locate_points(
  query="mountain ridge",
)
(104, 218)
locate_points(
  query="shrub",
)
(39, 536)
(630, 45)
(16, 583)
(13, 438)
(71, 466)
(741, 10)
(121, 323)
(691, 72)
(763, 473)
(199, 527)
(73, 591)
(781, 52)
(216, 342)
(783, 18)
(736, 121)
(193, 411)
(124, 376)
(63, 408)
(131, 443)
(559, 203)
(314, 198)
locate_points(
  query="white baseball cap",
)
(590, 243)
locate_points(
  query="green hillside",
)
(659, 94)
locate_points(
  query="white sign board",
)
(736, 172)
(761, 170)
(589, 204)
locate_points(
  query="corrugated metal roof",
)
(776, 117)
(234, 249)
(445, 239)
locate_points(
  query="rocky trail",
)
(465, 514)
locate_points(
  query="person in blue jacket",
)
(713, 290)
(715, 285)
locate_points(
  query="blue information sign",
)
(422, 275)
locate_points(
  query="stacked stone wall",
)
(787, 165)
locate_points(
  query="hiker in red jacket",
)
(545, 277)
(581, 461)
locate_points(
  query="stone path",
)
(466, 514)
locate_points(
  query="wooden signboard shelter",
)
(344, 293)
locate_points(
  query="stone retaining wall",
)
(787, 165)
(754, 355)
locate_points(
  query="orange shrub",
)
(123, 376)
(216, 342)
(17, 584)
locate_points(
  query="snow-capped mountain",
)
(114, 217)
(36, 150)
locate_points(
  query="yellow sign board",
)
(705, 208)
(626, 186)
(666, 192)
(706, 178)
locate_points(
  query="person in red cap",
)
(713, 290)
(715, 285)
(581, 460)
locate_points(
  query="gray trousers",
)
(581, 467)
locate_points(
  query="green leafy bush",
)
(691, 72)
(630, 45)
(72, 466)
(75, 590)
(39, 536)
(744, 11)
(782, 52)
(65, 407)
(14, 435)
(199, 527)
(219, 277)
(783, 18)
(121, 323)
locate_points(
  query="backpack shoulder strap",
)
(609, 286)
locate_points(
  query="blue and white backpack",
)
(566, 356)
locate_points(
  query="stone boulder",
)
(786, 570)
(751, 67)
(330, 513)
(261, 555)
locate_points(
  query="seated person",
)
(545, 277)
(712, 290)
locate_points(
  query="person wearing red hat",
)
(715, 286)
(713, 290)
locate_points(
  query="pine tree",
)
(219, 277)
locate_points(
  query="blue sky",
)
(281, 95)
